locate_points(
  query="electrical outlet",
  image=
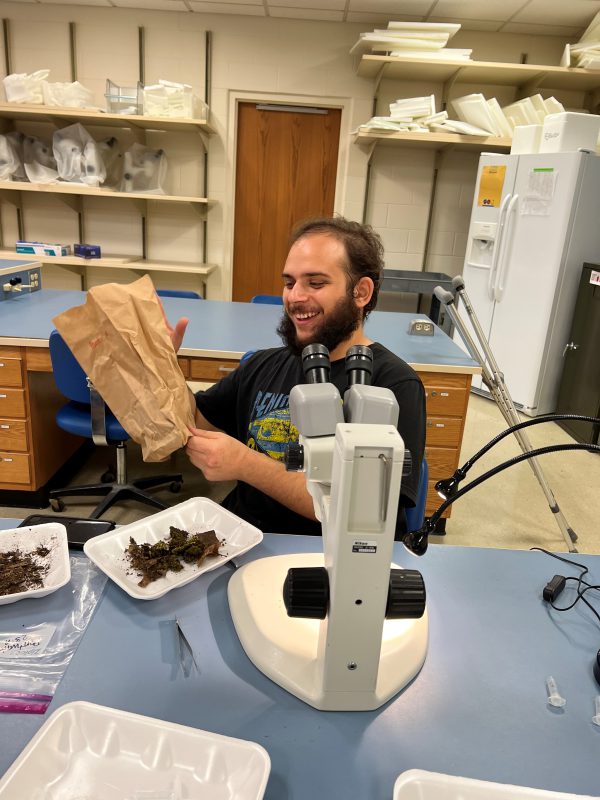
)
(421, 327)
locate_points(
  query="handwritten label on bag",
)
(32, 642)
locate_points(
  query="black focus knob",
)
(306, 592)
(406, 595)
(294, 457)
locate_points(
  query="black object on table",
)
(411, 282)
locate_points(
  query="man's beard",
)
(338, 326)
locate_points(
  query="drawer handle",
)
(226, 369)
(7, 459)
(442, 394)
(437, 425)
(2, 395)
(2, 364)
(5, 427)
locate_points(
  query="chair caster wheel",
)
(175, 487)
(57, 504)
(108, 477)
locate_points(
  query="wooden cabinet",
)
(32, 447)
(447, 397)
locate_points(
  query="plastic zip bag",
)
(78, 158)
(39, 162)
(9, 159)
(144, 170)
(68, 95)
(38, 638)
(17, 140)
(21, 87)
(113, 162)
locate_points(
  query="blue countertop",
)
(228, 330)
(477, 709)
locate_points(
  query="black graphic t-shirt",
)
(252, 405)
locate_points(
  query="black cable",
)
(417, 540)
(461, 472)
(555, 448)
(579, 592)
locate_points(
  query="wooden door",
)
(285, 172)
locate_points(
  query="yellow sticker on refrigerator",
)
(490, 186)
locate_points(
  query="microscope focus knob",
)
(406, 595)
(294, 457)
(306, 592)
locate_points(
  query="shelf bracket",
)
(532, 86)
(447, 86)
(379, 77)
(14, 198)
(204, 139)
(72, 201)
(592, 100)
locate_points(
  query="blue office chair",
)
(178, 293)
(87, 415)
(268, 299)
(416, 516)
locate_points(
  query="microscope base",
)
(285, 648)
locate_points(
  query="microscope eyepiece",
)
(316, 363)
(359, 364)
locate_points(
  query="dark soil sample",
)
(153, 561)
(20, 571)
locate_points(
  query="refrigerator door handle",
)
(504, 264)
(498, 246)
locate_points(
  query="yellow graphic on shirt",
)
(272, 433)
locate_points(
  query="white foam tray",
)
(90, 752)
(199, 514)
(52, 535)
(418, 784)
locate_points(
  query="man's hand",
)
(219, 456)
(176, 333)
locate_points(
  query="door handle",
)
(503, 265)
(570, 346)
(497, 245)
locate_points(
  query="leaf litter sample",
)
(21, 571)
(153, 561)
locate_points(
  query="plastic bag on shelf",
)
(78, 157)
(9, 159)
(17, 139)
(144, 170)
(113, 162)
(23, 88)
(68, 95)
(39, 162)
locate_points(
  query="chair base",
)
(115, 492)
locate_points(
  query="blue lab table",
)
(477, 708)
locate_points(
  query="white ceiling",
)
(550, 17)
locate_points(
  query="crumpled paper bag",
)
(120, 339)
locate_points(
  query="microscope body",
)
(335, 648)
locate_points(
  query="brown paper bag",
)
(120, 339)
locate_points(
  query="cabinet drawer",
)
(448, 379)
(211, 369)
(38, 359)
(445, 400)
(13, 435)
(443, 431)
(10, 372)
(12, 403)
(442, 461)
(14, 468)
(184, 366)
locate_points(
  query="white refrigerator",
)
(535, 220)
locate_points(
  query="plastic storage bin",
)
(123, 99)
(569, 131)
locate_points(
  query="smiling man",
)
(331, 281)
